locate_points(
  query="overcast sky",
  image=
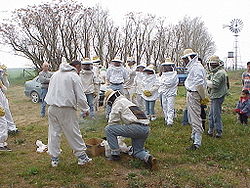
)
(214, 13)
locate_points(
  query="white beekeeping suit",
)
(129, 88)
(195, 85)
(139, 101)
(150, 85)
(168, 90)
(97, 80)
(12, 129)
(65, 95)
(3, 122)
(103, 75)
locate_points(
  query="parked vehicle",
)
(182, 74)
(32, 89)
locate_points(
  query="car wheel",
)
(34, 97)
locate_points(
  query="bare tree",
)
(65, 28)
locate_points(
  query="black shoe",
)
(152, 162)
(193, 147)
(13, 132)
(115, 157)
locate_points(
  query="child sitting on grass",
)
(243, 107)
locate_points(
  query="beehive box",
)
(93, 147)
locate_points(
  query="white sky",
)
(214, 13)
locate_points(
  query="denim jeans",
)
(90, 100)
(43, 103)
(185, 117)
(117, 87)
(215, 121)
(150, 107)
(138, 134)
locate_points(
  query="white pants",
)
(10, 122)
(3, 122)
(140, 102)
(194, 110)
(3, 132)
(64, 120)
(168, 108)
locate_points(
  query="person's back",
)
(65, 89)
(65, 93)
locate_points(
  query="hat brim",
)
(87, 63)
(116, 61)
(185, 56)
(98, 61)
(166, 64)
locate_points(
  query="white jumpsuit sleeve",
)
(80, 96)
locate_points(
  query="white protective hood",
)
(168, 83)
(150, 83)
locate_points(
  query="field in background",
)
(221, 162)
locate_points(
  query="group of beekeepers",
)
(129, 101)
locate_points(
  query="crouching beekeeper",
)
(127, 120)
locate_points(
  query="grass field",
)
(221, 162)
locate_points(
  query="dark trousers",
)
(243, 118)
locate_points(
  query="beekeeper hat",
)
(131, 59)
(150, 68)
(109, 93)
(117, 60)
(3, 66)
(167, 62)
(188, 52)
(96, 60)
(214, 60)
(141, 65)
(87, 61)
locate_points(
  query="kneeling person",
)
(136, 127)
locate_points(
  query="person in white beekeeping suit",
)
(103, 75)
(150, 85)
(139, 101)
(168, 90)
(127, 120)
(97, 73)
(129, 88)
(3, 123)
(195, 85)
(65, 95)
(90, 84)
(116, 75)
(4, 84)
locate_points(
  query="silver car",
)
(32, 89)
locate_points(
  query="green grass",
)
(221, 162)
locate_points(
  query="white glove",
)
(209, 84)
